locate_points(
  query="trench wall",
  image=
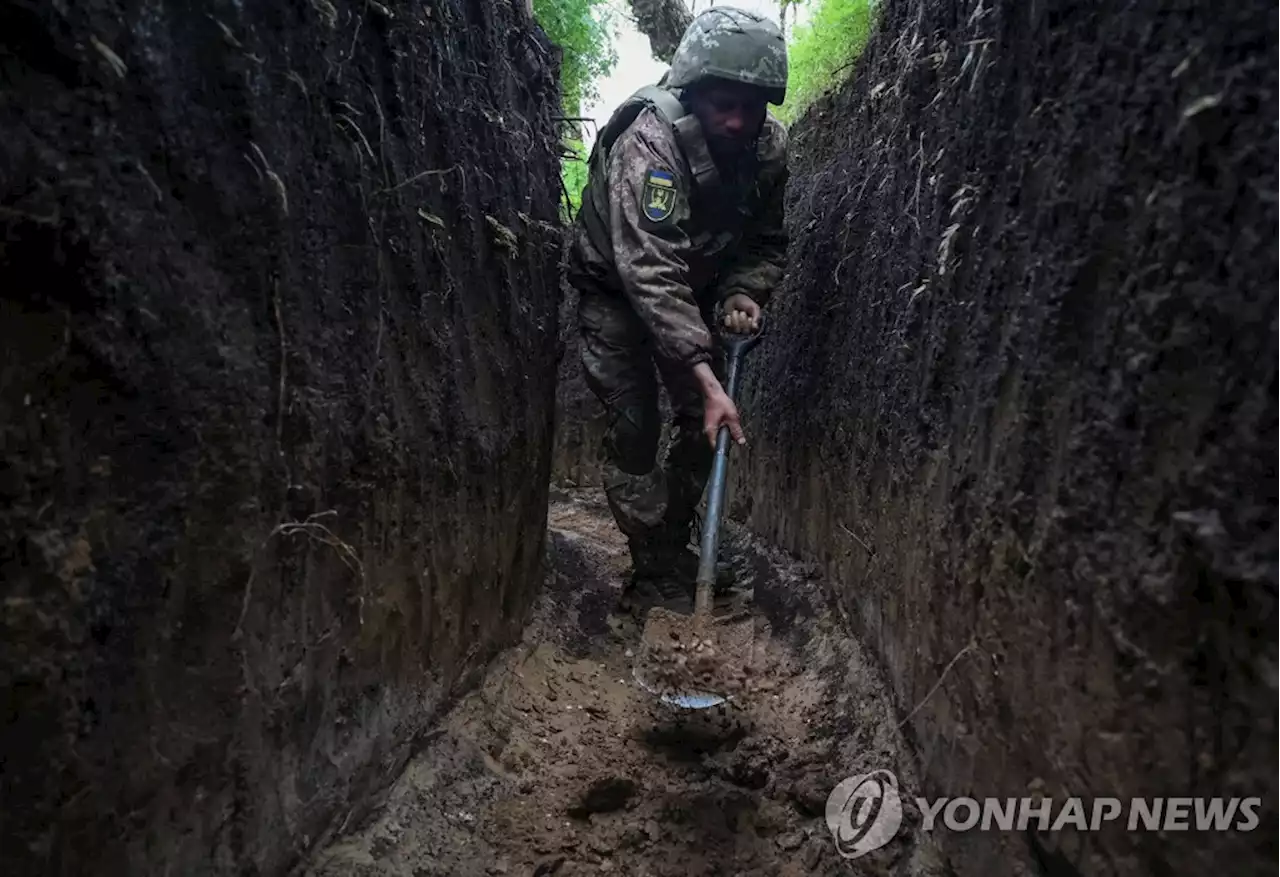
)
(278, 309)
(1020, 405)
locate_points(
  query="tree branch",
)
(663, 22)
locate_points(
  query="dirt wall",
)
(1021, 401)
(279, 289)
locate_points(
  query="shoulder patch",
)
(658, 196)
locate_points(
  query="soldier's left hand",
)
(741, 314)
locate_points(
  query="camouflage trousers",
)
(653, 502)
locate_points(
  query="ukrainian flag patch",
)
(658, 197)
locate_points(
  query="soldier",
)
(682, 212)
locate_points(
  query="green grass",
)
(822, 51)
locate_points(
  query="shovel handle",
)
(736, 347)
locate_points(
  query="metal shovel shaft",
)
(732, 638)
(715, 500)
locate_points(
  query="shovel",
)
(698, 661)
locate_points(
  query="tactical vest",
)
(689, 137)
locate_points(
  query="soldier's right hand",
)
(717, 408)
(718, 411)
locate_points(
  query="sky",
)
(636, 66)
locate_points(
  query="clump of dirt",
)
(560, 764)
(684, 653)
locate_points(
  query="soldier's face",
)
(731, 115)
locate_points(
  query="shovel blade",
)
(694, 661)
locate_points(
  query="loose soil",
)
(559, 764)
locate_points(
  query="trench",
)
(558, 763)
(287, 372)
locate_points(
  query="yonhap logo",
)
(864, 813)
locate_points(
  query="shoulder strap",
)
(685, 125)
(689, 133)
(664, 101)
(689, 137)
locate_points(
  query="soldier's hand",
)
(741, 314)
(718, 411)
(717, 408)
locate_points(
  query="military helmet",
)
(728, 43)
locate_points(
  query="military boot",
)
(681, 557)
(651, 581)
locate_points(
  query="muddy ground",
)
(559, 764)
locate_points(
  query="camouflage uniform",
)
(653, 253)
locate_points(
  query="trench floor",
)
(558, 764)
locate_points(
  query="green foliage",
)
(823, 49)
(574, 173)
(583, 31)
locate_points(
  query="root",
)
(275, 303)
(227, 34)
(363, 140)
(382, 132)
(264, 169)
(418, 176)
(146, 175)
(296, 79)
(312, 529)
(854, 537)
(503, 237)
(968, 648)
(113, 60)
(327, 11)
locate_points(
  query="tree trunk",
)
(663, 22)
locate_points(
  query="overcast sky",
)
(636, 66)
